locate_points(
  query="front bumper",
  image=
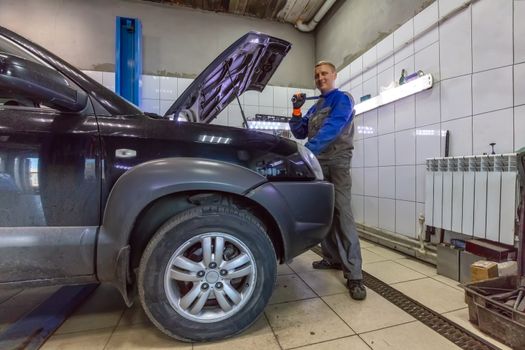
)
(303, 212)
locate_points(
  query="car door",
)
(49, 186)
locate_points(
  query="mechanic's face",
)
(325, 78)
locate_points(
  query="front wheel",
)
(207, 273)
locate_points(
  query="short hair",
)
(326, 63)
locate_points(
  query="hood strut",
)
(245, 122)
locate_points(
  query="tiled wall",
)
(477, 58)
(158, 93)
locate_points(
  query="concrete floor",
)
(310, 309)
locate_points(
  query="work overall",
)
(342, 243)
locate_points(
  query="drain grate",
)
(448, 329)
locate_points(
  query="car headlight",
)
(299, 165)
(311, 160)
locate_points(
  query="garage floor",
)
(310, 309)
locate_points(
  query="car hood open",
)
(248, 64)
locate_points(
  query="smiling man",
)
(329, 127)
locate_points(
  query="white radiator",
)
(474, 195)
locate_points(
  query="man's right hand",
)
(298, 100)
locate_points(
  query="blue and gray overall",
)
(330, 130)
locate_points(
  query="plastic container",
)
(493, 317)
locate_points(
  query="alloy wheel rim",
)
(210, 277)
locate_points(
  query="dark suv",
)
(193, 216)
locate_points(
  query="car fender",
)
(145, 183)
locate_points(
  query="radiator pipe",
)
(421, 232)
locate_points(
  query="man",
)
(330, 129)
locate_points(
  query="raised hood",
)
(248, 64)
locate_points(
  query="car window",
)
(10, 99)
(10, 48)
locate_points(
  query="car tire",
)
(189, 298)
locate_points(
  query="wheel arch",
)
(160, 182)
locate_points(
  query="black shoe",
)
(326, 265)
(357, 289)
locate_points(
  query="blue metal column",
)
(128, 59)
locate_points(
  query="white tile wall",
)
(386, 150)
(519, 31)
(385, 119)
(519, 84)
(358, 159)
(251, 98)
(385, 79)
(151, 105)
(445, 6)
(455, 45)
(266, 97)
(420, 183)
(456, 98)
(403, 37)
(96, 76)
(493, 127)
(371, 211)
(370, 153)
(406, 182)
(168, 88)
(358, 127)
(406, 147)
(491, 34)
(492, 90)
(405, 112)
(280, 97)
(406, 218)
(356, 70)
(166, 104)
(369, 61)
(428, 106)
(150, 87)
(422, 21)
(428, 143)
(519, 127)
(343, 76)
(387, 181)
(460, 136)
(370, 124)
(387, 214)
(427, 60)
(370, 87)
(182, 84)
(407, 64)
(371, 181)
(385, 49)
(108, 80)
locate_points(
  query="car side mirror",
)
(21, 77)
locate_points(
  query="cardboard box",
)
(482, 270)
(465, 260)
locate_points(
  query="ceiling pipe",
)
(317, 18)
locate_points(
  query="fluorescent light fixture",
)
(265, 125)
(412, 87)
